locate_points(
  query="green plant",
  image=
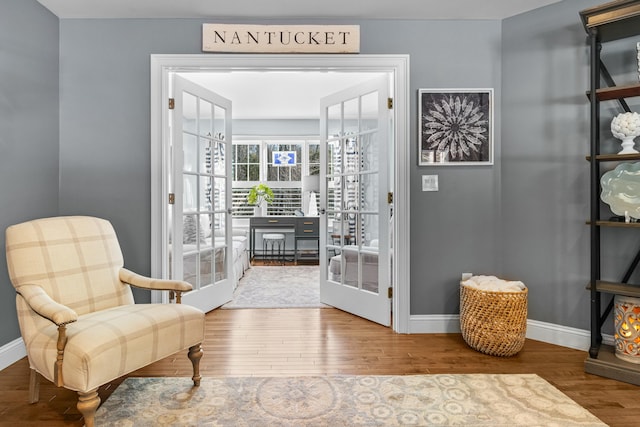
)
(259, 193)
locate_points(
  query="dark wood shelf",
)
(615, 157)
(616, 92)
(613, 20)
(609, 366)
(620, 224)
(617, 288)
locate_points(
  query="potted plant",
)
(260, 196)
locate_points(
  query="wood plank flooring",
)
(281, 342)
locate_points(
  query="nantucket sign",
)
(281, 38)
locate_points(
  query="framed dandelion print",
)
(456, 127)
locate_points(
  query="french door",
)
(354, 226)
(200, 237)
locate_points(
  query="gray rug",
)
(414, 400)
(278, 286)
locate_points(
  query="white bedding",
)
(369, 267)
(239, 252)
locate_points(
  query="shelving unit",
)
(608, 22)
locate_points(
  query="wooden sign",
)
(281, 38)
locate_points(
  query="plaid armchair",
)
(77, 316)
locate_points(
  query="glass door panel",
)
(201, 245)
(355, 265)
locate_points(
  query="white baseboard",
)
(434, 324)
(565, 336)
(550, 333)
(424, 324)
(11, 352)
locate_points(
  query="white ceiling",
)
(281, 9)
(277, 95)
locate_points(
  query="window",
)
(313, 158)
(251, 165)
(246, 161)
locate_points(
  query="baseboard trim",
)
(565, 336)
(434, 324)
(11, 352)
(550, 333)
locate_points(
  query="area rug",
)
(278, 286)
(413, 400)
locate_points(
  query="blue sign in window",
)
(284, 158)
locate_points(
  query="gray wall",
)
(28, 129)
(452, 230)
(105, 150)
(544, 238)
(521, 217)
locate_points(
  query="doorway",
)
(397, 66)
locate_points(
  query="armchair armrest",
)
(139, 281)
(45, 306)
(61, 315)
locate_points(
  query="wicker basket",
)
(493, 323)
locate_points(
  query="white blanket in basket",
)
(492, 283)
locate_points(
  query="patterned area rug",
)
(278, 287)
(414, 400)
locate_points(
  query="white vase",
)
(625, 127)
(260, 210)
(627, 145)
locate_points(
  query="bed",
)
(239, 253)
(241, 262)
(348, 258)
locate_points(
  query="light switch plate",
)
(429, 182)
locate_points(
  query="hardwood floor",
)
(280, 342)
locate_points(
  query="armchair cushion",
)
(103, 345)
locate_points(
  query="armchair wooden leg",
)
(34, 386)
(195, 354)
(88, 405)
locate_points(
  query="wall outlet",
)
(466, 276)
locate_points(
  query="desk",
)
(307, 228)
(304, 228)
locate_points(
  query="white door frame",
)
(397, 65)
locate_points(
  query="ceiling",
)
(277, 95)
(284, 9)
